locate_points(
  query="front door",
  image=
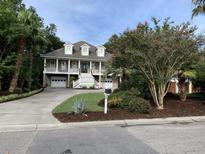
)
(84, 67)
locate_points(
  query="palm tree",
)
(23, 29)
(199, 7)
(34, 40)
(183, 76)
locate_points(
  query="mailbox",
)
(108, 91)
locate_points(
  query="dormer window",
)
(68, 47)
(101, 51)
(85, 50)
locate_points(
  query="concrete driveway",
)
(37, 108)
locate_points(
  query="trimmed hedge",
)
(139, 105)
(18, 96)
(125, 95)
(114, 102)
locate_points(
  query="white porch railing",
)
(74, 70)
(95, 70)
(50, 69)
(76, 83)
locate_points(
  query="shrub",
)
(139, 105)
(120, 98)
(101, 102)
(127, 96)
(79, 107)
(199, 96)
(114, 102)
(84, 87)
(18, 96)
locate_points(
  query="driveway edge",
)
(121, 123)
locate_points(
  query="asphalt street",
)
(178, 138)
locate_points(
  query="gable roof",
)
(59, 53)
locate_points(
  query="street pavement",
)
(175, 138)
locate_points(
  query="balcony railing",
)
(62, 70)
(95, 70)
(72, 70)
(50, 69)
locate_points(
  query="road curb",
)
(122, 123)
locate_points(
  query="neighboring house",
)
(77, 65)
(174, 87)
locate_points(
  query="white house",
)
(77, 65)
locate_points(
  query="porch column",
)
(100, 84)
(44, 65)
(69, 66)
(176, 88)
(190, 86)
(68, 81)
(90, 67)
(100, 65)
(44, 80)
(79, 67)
(56, 65)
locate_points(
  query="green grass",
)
(91, 101)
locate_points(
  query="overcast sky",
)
(95, 21)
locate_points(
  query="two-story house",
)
(76, 65)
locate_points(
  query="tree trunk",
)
(22, 84)
(157, 98)
(182, 89)
(0, 84)
(14, 81)
(182, 92)
(158, 94)
(30, 69)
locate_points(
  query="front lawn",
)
(91, 101)
(120, 109)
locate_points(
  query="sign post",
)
(107, 93)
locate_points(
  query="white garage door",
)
(58, 82)
(107, 84)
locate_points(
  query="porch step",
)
(85, 80)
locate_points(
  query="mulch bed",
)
(172, 108)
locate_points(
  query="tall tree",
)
(53, 41)
(24, 26)
(199, 7)
(8, 9)
(158, 52)
(35, 40)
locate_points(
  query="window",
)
(85, 50)
(68, 49)
(101, 51)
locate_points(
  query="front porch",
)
(62, 66)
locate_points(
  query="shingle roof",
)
(59, 53)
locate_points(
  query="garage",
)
(58, 82)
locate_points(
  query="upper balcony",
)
(59, 66)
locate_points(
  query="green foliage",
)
(16, 20)
(125, 95)
(79, 107)
(157, 52)
(18, 96)
(200, 96)
(139, 105)
(114, 102)
(199, 7)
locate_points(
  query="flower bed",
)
(172, 108)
